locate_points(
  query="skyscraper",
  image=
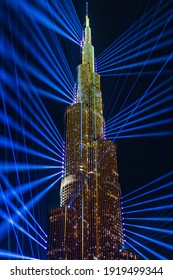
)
(88, 223)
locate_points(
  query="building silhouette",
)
(88, 223)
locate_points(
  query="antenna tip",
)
(86, 8)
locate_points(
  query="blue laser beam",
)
(142, 135)
(152, 190)
(52, 96)
(150, 183)
(15, 106)
(119, 59)
(152, 106)
(152, 61)
(126, 110)
(9, 217)
(145, 63)
(139, 127)
(140, 100)
(160, 219)
(147, 59)
(11, 167)
(27, 206)
(13, 255)
(59, 60)
(30, 11)
(68, 21)
(167, 231)
(15, 209)
(13, 153)
(26, 187)
(164, 207)
(47, 120)
(15, 225)
(149, 201)
(156, 88)
(21, 229)
(143, 96)
(7, 201)
(134, 28)
(137, 251)
(58, 87)
(160, 243)
(13, 124)
(141, 35)
(147, 73)
(160, 257)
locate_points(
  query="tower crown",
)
(87, 21)
(87, 38)
(88, 90)
(87, 48)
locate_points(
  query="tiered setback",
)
(88, 224)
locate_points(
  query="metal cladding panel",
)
(64, 234)
(110, 233)
(83, 83)
(76, 139)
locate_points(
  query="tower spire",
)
(87, 18)
(86, 8)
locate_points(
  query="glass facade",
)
(88, 224)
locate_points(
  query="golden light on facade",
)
(88, 223)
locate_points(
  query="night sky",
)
(140, 160)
